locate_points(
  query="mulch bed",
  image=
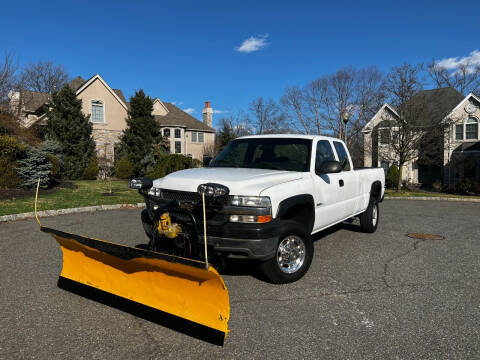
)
(12, 194)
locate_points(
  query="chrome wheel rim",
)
(291, 254)
(374, 215)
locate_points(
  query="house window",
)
(178, 147)
(194, 137)
(166, 132)
(178, 133)
(471, 129)
(200, 137)
(384, 136)
(459, 132)
(97, 112)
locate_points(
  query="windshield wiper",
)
(222, 161)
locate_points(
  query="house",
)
(108, 109)
(459, 154)
(187, 135)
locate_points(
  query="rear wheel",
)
(369, 218)
(293, 256)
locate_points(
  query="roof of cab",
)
(297, 136)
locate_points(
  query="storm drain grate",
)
(424, 236)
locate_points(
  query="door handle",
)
(340, 182)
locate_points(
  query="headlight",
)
(254, 201)
(157, 192)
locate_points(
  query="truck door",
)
(329, 207)
(348, 179)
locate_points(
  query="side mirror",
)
(141, 183)
(329, 167)
(206, 160)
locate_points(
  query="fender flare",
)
(297, 200)
(376, 191)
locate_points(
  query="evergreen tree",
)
(68, 126)
(141, 134)
(36, 165)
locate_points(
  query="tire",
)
(369, 218)
(292, 235)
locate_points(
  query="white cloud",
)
(471, 61)
(253, 44)
(177, 103)
(189, 110)
(215, 111)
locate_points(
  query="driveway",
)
(380, 295)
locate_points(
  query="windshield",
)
(291, 154)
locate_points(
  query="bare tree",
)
(43, 76)
(266, 116)
(8, 69)
(105, 164)
(319, 106)
(464, 76)
(232, 126)
(401, 138)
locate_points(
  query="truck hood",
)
(240, 181)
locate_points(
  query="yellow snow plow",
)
(187, 288)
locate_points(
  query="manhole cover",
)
(424, 236)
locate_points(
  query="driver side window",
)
(324, 153)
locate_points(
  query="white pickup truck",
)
(268, 195)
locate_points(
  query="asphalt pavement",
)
(381, 295)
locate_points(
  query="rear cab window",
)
(342, 155)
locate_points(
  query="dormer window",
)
(98, 112)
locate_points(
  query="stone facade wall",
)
(105, 141)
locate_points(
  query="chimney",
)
(207, 114)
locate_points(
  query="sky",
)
(230, 52)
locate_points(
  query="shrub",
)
(437, 185)
(392, 177)
(171, 163)
(91, 171)
(8, 176)
(34, 166)
(11, 150)
(124, 169)
(465, 186)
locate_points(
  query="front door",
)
(329, 208)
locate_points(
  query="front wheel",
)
(369, 218)
(293, 256)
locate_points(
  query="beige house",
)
(460, 158)
(187, 135)
(108, 109)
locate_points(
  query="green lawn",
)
(407, 193)
(88, 193)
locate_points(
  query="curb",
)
(46, 213)
(437, 198)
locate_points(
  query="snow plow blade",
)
(174, 285)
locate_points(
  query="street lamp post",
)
(345, 118)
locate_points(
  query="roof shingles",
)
(178, 117)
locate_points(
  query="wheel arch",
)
(299, 208)
(376, 191)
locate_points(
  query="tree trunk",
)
(399, 180)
